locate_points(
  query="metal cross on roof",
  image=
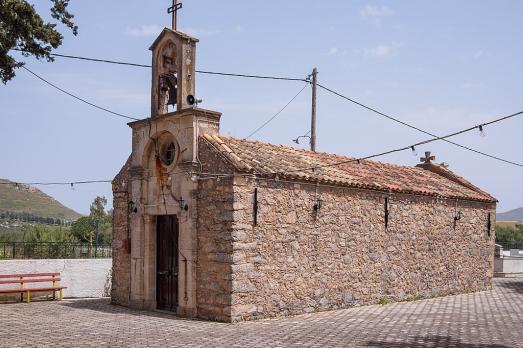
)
(428, 158)
(174, 10)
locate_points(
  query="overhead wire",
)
(56, 183)
(78, 98)
(275, 115)
(100, 60)
(304, 80)
(263, 125)
(417, 128)
(268, 77)
(411, 147)
(69, 183)
(352, 160)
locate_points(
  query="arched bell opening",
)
(167, 83)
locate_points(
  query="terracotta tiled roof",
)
(166, 31)
(266, 159)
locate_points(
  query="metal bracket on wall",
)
(255, 207)
(386, 212)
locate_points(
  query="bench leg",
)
(61, 295)
(54, 295)
(21, 297)
(28, 296)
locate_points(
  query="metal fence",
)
(507, 245)
(53, 250)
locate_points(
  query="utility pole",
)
(313, 113)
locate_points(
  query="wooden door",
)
(167, 262)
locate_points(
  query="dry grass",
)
(511, 224)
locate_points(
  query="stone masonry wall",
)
(121, 239)
(296, 261)
(215, 216)
(121, 250)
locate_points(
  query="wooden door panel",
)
(167, 262)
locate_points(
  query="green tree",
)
(98, 208)
(83, 229)
(510, 235)
(103, 219)
(22, 28)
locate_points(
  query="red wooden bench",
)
(22, 279)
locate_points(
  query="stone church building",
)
(220, 228)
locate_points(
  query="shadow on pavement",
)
(514, 284)
(433, 342)
(104, 305)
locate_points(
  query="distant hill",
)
(30, 200)
(512, 215)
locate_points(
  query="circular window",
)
(168, 154)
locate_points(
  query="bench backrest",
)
(32, 280)
(29, 278)
(28, 275)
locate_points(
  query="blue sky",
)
(441, 66)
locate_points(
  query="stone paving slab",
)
(490, 319)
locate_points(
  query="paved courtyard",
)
(491, 319)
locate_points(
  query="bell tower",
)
(173, 72)
(156, 198)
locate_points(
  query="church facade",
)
(220, 228)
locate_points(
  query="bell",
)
(172, 82)
(172, 96)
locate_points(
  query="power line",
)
(100, 60)
(252, 76)
(263, 125)
(69, 183)
(275, 115)
(78, 98)
(413, 146)
(410, 147)
(268, 77)
(352, 160)
(291, 79)
(418, 129)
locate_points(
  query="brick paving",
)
(490, 319)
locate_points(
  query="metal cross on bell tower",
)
(174, 10)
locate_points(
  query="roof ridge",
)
(300, 149)
(449, 174)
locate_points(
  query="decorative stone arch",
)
(166, 55)
(166, 75)
(163, 185)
